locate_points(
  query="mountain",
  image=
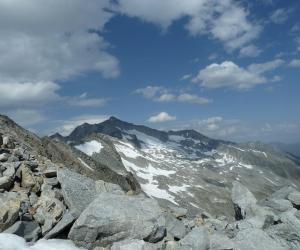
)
(78, 192)
(187, 168)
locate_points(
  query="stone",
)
(5, 182)
(4, 157)
(278, 205)
(1, 140)
(113, 217)
(242, 199)
(29, 230)
(51, 181)
(294, 198)
(197, 239)
(178, 212)
(175, 228)
(134, 244)
(32, 165)
(65, 222)
(220, 242)
(50, 173)
(283, 193)
(9, 209)
(79, 191)
(48, 211)
(10, 172)
(256, 239)
(28, 180)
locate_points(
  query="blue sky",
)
(229, 69)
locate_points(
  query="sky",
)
(229, 69)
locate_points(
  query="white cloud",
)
(27, 94)
(250, 51)
(26, 117)
(225, 21)
(279, 16)
(189, 98)
(161, 94)
(65, 127)
(84, 101)
(161, 117)
(186, 77)
(230, 75)
(295, 63)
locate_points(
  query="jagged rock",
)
(178, 212)
(9, 209)
(33, 198)
(48, 212)
(221, 242)
(10, 172)
(282, 193)
(79, 191)
(135, 245)
(242, 199)
(175, 228)
(1, 140)
(65, 222)
(294, 198)
(197, 239)
(29, 180)
(5, 182)
(113, 217)
(51, 181)
(278, 205)
(256, 239)
(4, 157)
(50, 173)
(29, 230)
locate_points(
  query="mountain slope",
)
(189, 169)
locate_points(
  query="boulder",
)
(29, 180)
(4, 157)
(48, 211)
(5, 182)
(29, 230)
(256, 239)
(294, 198)
(175, 228)
(197, 239)
(65, 223)
(219, 242)
(277, 205)
(283, 193)
(50, 173)
(79, 191)
(9, 209)
(114, 217)
(133, 244)
(10, 172)
(242, 199)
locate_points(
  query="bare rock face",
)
(113, 217)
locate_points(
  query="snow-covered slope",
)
(188, 169)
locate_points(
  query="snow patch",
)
(14, 242)
(90, 147)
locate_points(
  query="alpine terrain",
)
(120, 186)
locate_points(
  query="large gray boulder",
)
(113, 217)
(79, 191)
(256, 239)
(294, 198)
(135, 245)
(242, 199)
(29, 230)
(197, 239)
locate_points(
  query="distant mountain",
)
(187, 168)
(293, 148)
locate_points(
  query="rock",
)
(4, 157)
(66, 222)
(279, 205)
(33, 198)
(197, 239)
(282, 193)
(7, 142)
(134, 245)
(50, 173)
(9, 172)
(102, 186)
(29, 180)
(294, 198)
(79, 191)
(113, 217)
(29, 230)
(9, 209)
(48, 212)
(256, 239)
(220, 242)
(32, 165)
(157, 235)
(291, 220)
(5, 182)
(178, 212)
(51, 181)
(1, 140)
(242, 199)
(175, 228)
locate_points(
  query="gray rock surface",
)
(133, 244)
(294, 198)
(29, 230)
(113, 217)
(197, 239)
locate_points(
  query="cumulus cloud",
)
(65, 127)
(161, 94)
(230, 75)
(84, 101)
(161, 117)
(14, 242)
(226, 21)
(27, 94)
(295, 63)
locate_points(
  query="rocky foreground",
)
(53, 205)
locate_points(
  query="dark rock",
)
(29, 230)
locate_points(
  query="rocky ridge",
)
(50, 203)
